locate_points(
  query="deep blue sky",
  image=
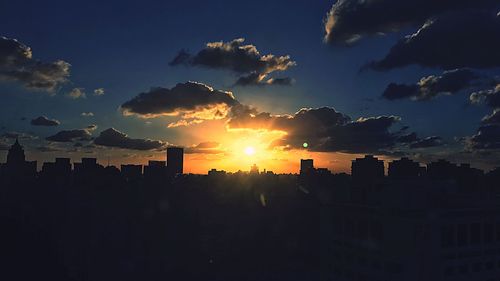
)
(125, 46)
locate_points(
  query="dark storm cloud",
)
(240, 58)
(194, 102)
(448, 83)
(44, 121)
(486, 138)
(427, 142)
(324, 129)
(70, 136)
(114, 138)
(17, 64)
(350, 20)
(455, 40)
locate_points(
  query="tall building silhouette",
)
(175, 160)
(17, 166)
(306, 166)
(15, 156)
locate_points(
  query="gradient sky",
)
(124, 47)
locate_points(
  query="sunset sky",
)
(244, 82)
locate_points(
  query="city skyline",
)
(132, 81)
(403, 168)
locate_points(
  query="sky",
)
(123, 80)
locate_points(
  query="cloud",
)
(486, 138)
(260, 80)
(490, 97)
(47, 148)
(194, 102)
(448, 83)
(17, 64)
(207, 144)
(92, 127)
(4, 146)
(71, 135)
(454, 40)
(333, 131)
(350, 20)
(77, 93)
(87, 114)
(99, 92)
(114, 138)
(408, 138)
(493, 118)
(184, 123)
(427, 142)
(242, 59)
(44, 121)
(17, 135)
(488, 134)
(208, 147)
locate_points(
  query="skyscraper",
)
(306, 166)
(175, 160)
(16, 157)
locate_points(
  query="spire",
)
(16, 153)
(17, 145)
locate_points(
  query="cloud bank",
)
(242, 59)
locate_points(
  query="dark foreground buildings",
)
(175, 160)
(84, 221)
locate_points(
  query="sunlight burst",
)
(249, 150)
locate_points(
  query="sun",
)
(249, 150)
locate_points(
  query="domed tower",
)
(16, 155)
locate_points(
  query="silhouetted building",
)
(63, 166)
(175, 160)
(468, 178)
(214, 172)
(367, 169)
(254, 169)
(58, 172)
(87, 171)
(155, 171)
(404, 169)
(441, 170)
(322, 171)
(17, 168)
(131, 172)
(15, 156)
(306, 166)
